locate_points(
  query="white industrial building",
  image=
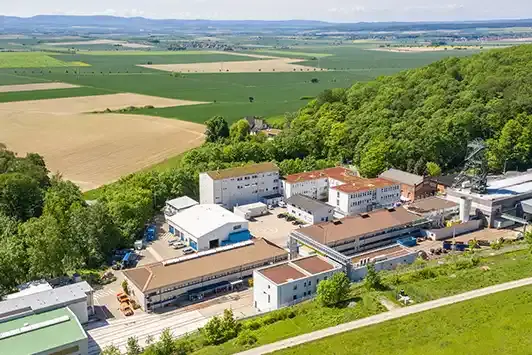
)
(251, 211)
(343, 189)
(285, 284)
(309, 210)
(178, 204)
(239, 186)
(364, 195)
(208, 226)
(387, 258)
(201, 275)
(77, 297)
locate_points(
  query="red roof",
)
(364, 184)
(338, 173)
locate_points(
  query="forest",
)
(412, 120)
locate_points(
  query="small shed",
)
(252, 210)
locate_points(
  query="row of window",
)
(254, 176)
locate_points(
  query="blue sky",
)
(330, 10)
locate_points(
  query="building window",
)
(337, 202)
(295, 297)
(268, 286)
(237, 227)
(305, 284)
(295, 287)
(268, 298)
(337, 194)
(239, 179)
(309, 283)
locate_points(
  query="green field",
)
(32, 60)
(51, 94)
(274, 93)
(494, 324)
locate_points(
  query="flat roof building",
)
(239, 185)
(291, 282)
(77, 297)
(156, 285)
(387, 258)
(178, 204)
(52, 332)
(208, 226)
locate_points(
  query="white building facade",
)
(208, 226)
(289, 283)
(309, 210)
(364, 196)
(240, 185)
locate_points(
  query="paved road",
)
(382, 317)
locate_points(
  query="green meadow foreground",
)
(495, 324)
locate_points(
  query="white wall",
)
(316, 189)
(240, 190)
(262, 288)
(323, 215)
(80, 310)
(221, 234)
(364, 201)
(360, 272)
(206, 184)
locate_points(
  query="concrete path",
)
(382, 317)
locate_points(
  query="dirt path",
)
(34, 87)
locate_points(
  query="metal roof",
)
(181, 203)
(402, 177)
(44, 300)
(40, 333)
(527, 206)
(200, 220)
(242, 171)
(306, 203)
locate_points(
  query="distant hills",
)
(106, 24)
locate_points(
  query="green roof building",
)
(56, 332)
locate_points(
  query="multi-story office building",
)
(239, 186)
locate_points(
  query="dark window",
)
(295, 297)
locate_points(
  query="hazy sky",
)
(329, 10)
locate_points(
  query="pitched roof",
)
(364, 184)
(354, 227)
(242, 170)
(306, 203)
(337, 173)
(402, 176)
(199, 220)
(157, 275)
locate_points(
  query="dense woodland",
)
(416, 120)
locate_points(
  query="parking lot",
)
(276, 230)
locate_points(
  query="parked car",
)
(282, 204)
(281, 215)
(172, 241)
(188, 250)
(122, 297)
(125, 307)
(178, 245)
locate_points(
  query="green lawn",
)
(310, 317)
(490, 271)
(495, 324)
(14, 79)
(51, 94)
(31, 60)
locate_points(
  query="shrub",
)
(253, 325)
(334, 290)
(246, 338)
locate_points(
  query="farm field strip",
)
(35, 87)
(33, 60)
(81, 91)
(95, 149)
(100, 41)
(75, 105)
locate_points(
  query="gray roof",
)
(402, 176)
(182, 202)
(527, 206)
(306, 203)
(44, 300)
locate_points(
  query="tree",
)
(213, 331)
(229, 325)
(217, 129)
(20, 196)
(314, 80)
(372, 280)
(433, 169)
(251, 99)
(334, 290)
(133, 347)
(125, 287)
(110, 350)
(165, 345)
(373, 161)
(239, 131)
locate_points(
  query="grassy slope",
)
(310, 317)
(494, 324)
(50, 94)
